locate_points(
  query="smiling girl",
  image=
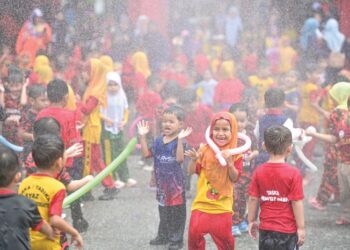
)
(212, 207)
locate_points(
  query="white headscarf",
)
(334, 38)
(116, 104)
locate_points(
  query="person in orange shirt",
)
(34, 35)
(212, 207)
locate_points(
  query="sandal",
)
(316, 205)
(342, 221)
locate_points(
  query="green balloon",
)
(98, 178)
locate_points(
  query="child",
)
(240, 225)
(262, 81)
(37, 101)
(168, 154)
(278, 188)
(339, 135)
(212, 207)
(274, 102)
(94, 98)
(207, 88)
(18, 213)
(12, 101)
(115, 117)
(308, 114)
(47, 192)
(229, 89)
(292, 102)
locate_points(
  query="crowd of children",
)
(70, 111)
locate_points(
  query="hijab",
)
(97, 85)
(216, 174)
(308, 31)
(334, 38)
(108, 62)
(140, 63)
(340, 92)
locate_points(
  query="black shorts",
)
(270, 240)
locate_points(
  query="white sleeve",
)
(256, 130)
(289, 124)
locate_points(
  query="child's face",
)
(170, 124)
(242, 119)
(222, 132)
(207, 75)
(15, 89)
(291, 81)
(316, 77)
(40, 103)
(113, 87)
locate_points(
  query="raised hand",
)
(192, 153)
(74, 150)
(184, 133)
(143, 127)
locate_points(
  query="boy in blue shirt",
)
(168, 155)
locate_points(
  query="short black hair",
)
(46, 125)
(36, 90)
(15, 76)
(238, 107)
(187, 97)
(57, 89)
(9, 166)
(274, 98)
(176, 110)
(46, 150)
(277, 139)
(152, 80)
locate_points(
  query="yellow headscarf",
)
(107, 62)
(97, 86)
(71, 105)
(227, 70)
(39, 61)
(341, 93)
(45, 74)
(140, 63)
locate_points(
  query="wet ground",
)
(130, 221)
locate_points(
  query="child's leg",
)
(107, 150)
(220, 231)
(117, 147)
(197, 229)
(177, 221)
(344, 185)
(275, 240)
(98, 165)
(329, 182)
(163, 232)
(240, 199)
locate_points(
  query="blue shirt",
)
(169, 175)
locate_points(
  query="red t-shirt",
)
(68, 122)
(147, 104)
(276, 185)
(228, 91)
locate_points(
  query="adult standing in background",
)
(35, 34)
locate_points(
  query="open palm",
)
(143, 127)
(184, 133)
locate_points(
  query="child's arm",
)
(59, 223)
(252, 210)
(47, 230)
(24, 97)
(106, 119)
(25, 136)
(143, 130)
(324, 137)
(76, 184)
(232, 170)
(180, 148)
(194, 155)
(298, 210)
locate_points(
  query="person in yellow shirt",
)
(47, 192)
(262, 81)
(212, 207)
